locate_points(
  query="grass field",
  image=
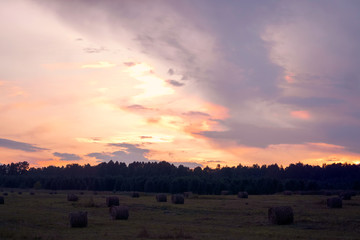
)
(45, 216)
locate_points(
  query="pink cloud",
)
(302, 114)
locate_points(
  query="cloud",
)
(171, 71)
(67, 156)
(94, 50)
(129, 64)
(26, 147)
(196, 113)
(255, 136)
(282, 62)
(145, 137)
(129, 153)
(174, 83)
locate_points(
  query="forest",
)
(166, 177)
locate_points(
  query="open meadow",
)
(45, 216)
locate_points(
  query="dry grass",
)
(44, 216)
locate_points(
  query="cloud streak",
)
(22, 146)
(67, 156)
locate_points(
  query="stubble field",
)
(45, 216)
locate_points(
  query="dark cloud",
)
(311, 102)
(138, 107)
(174, 83)
(196, 113)
(26, 147)
(67, 156)
(171, 71)
(250, 135)
(130, 153)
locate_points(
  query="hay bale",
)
(188, 194)
(281, 215)
(345, 195)
(5, 194)
(288, 193)
(19, 193)
(78, 219)
(81, 193)
(112, 201)
(335, 202)
(2, 200)
(32, 193)
(224, 192)
(177, 199)
(119, 212)
(161, 197)
(72, 198)
(243, 195)
(135, 194)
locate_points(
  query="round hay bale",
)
(335, 202)
(5, 194)
(288, 193)
(135, 195)
(32, 193)
(119, 212)
(78, 219)
(161, 197)
(81, 193)
(224, 192)
(19, 193)
(345, 195)
(72, 198)
(2, 200)
(177, 199)
(281, 215)
(112, 201)
(243, 195)
(188, 194)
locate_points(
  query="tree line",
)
(166, 177)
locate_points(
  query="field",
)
(45, 216)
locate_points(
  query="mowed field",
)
(45, 216)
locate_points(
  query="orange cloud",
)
(289, 78)
(302, 114)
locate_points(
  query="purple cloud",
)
(26, 147)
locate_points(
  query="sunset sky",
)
(193, 82)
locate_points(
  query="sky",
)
(192, 82)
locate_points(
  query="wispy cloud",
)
(67, 156)
(175, 83)
(129, 153)
(26, 147)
